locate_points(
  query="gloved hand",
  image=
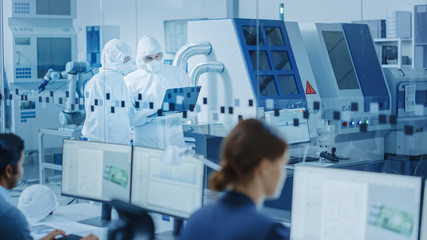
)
(140, 117)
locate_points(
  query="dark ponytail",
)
(243, 150)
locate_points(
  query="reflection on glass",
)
(288, 84)
(251, 35)
(281, 60)
(262, 63)
(340, 60)
(52, 53)
(267, 85)
(274, 36)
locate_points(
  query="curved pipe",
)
(204, 67)
(189, 50)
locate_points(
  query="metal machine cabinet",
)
(351, 85)
(37, 39)
(420, 37)
(96, 38)
(409, 105)
(207, 145)
(55, 132)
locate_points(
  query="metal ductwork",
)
(204, 67)
(189, 50)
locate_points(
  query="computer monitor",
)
(334, 204)
(423, 229)
(96, 171)
(174, 190)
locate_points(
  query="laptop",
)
(178, 100)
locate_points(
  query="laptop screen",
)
(180, 99)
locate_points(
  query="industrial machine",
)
(77, 75)
(266, 74)
(40, 36)
(96, 38)
(355, 96)
(408, 89)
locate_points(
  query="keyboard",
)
(293, 160)
(70, 237)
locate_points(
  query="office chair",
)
(134, 223)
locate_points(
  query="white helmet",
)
(37, 202)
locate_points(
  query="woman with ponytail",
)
(252, 159)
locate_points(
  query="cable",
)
(416, 168)
(71, 201)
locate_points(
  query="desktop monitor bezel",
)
(165, 212)
(93, 198)
(364, 173)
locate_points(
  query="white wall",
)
(121, 13)
(138, 17)
(323, 10)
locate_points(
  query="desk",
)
(66, 218)
(55, 132)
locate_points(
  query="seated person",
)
(252, 161)
(13, 225)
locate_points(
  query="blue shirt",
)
(13, 225)
(233, 217)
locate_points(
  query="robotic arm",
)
(51, 75)
(77, 73)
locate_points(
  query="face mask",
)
(154, 66)
(280, 185)
(128, 68)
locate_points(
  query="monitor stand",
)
(177, 225)
(102, 221)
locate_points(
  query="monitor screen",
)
(52, 53)
(96, 171)
(180, 99)
(174, 190)
(53, 7)
(339, 56)
(333, 204)
(389, 54)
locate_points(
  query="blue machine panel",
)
(271, 63)
(93, 45)
(367, 66)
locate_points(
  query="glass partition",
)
(336, 84)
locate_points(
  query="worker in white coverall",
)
(147, 86)
(107, 100)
